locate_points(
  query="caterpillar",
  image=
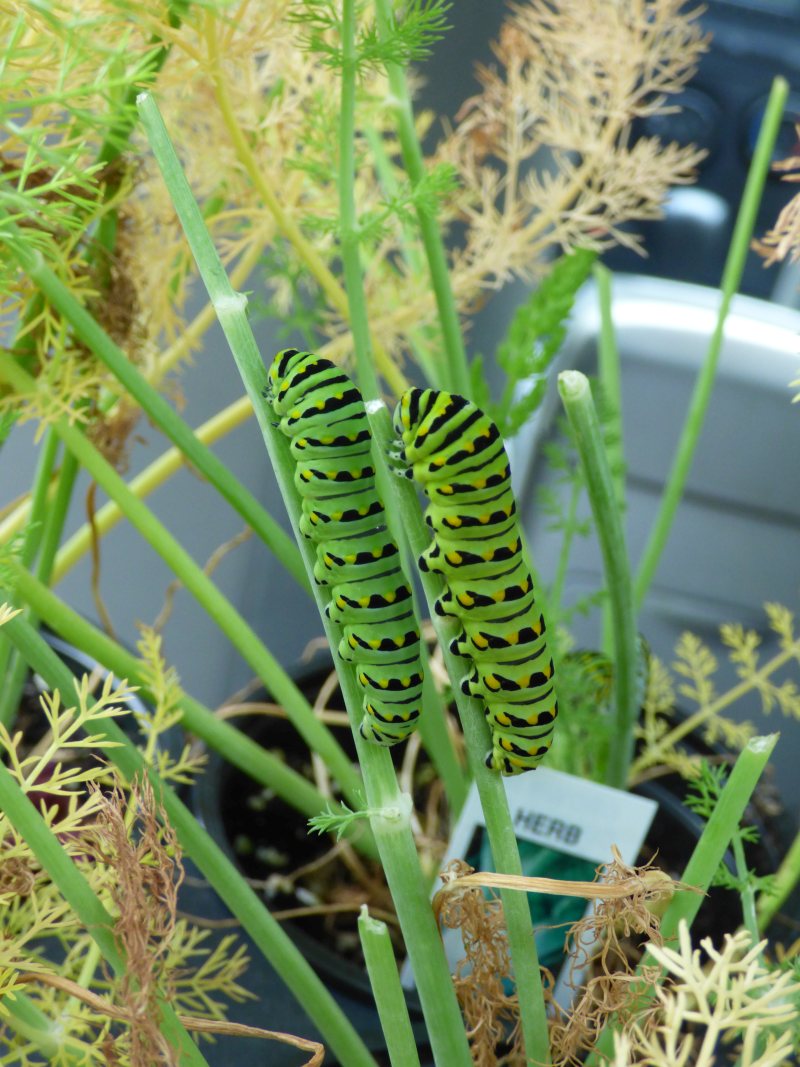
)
(322, 413)
(455, 452)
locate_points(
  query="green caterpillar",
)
(323, 414)
(455, 452)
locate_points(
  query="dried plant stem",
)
(212, 862)
(731, 277)
(717, 834)
(389, 998)
(494, 802)
(455, 377)
(389, 820)
(577, 398)
(304, 249)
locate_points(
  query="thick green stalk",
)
(577, 399)
(494, 802)
(389, 809)
(731, 277)
(453, 375)
(437, 741)
(302, 716)
(702, 866)
(389, 997)
(348, 221)
(785, 881)
(212, 862)
(160, 411)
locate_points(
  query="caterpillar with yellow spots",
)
(322, 413)
(455, 452)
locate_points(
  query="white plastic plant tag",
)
(565, 827)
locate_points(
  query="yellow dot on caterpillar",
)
(363, 601)
(363, 511)
(501, 719)
(377, 553)
(438, 461)
(465, 600)
(399, 641)
(339, 396)
(340, 602)
(491, 682)
(525, 586)
(375, 643)
(480, 483)
(455, 558)
(390, 597)
(488, 555)
(469, 446)
(383, 683)
(455, 522)
(320, 405)
(351, 558)
(480, 641)
(446, 490)
(295, 413)
(352, 641)
(326, 440)
(284, 387)
(336, 516)
(499, 596)
(513, 639)
(305, 475)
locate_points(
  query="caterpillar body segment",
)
(322, 413)
(455, 452)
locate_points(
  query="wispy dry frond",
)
(546, 151)
(730, 997)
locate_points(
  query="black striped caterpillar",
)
(323, 414)
(456, 454)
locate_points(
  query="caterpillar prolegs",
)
(456, 454)
(323, 414)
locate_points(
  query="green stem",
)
(212, 862)
(731, 277)
(747, 892)
(700, 870)
(47, 1034)
(577, 399)
(159, 410)
(12, 666)
(241, 636)
(453, 375)
(491, 791)
(389, 997)
(257, 762)
(785, 881)
(610, 384)
(434, 727)
(392, 831)
(351, 260)
(422, 340)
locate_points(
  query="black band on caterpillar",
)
(323, 415)
(456, 454)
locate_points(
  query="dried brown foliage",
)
(783, 240)
(145, 856)
(602, 948)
